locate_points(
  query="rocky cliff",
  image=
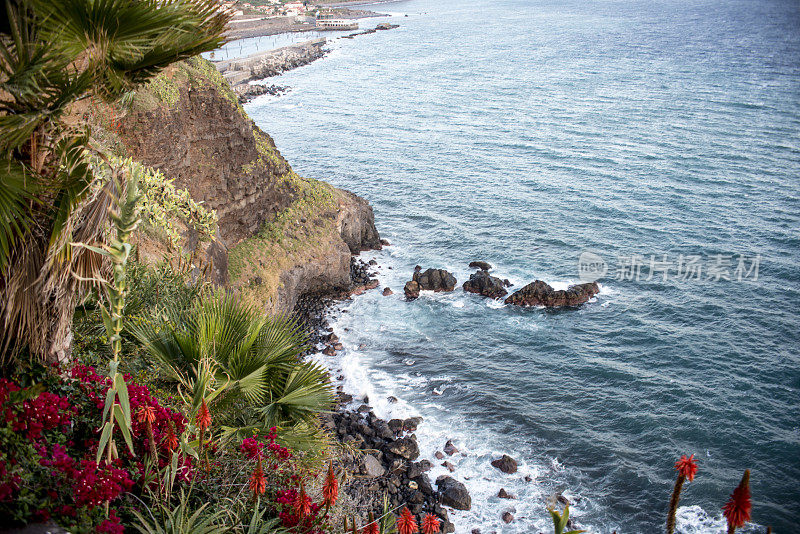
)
(280, 235)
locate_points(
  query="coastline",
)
(383, 456)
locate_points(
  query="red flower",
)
(302, 504)
(330, 490)
(430, 524)
(372, 527)
(147, 414)
(171, 440)
(406, 523)
(737, 509)
(258, 484)
(687, 467)
(203, 418)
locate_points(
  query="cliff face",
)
(188, 124)
(280, 234)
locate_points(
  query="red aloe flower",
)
(147, 414)
(430, 524)
(171, 439)
(302, 504)
(406, 523)
(737, 509)
(203, 418)
(372, 527)
(330, 490)
(258, 484)
(687, 467)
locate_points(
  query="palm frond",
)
(127, 42)
(17, 192)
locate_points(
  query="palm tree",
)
(54, 54)
(249, 365)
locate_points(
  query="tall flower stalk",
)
(203, 422)
(124, 213)
(737, 509)
(330, 490)
(686, 468)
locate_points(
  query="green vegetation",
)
(163, 206)
(164, 90)
(246, 366)
(302, 231)
(53, 55)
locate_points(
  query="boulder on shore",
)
(539, 293)
(484, 266)
(484, 284)
(371, 467)
(506, 464)
(434, 279)
(454, 493)
(405, 448)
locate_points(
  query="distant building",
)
(296, 7)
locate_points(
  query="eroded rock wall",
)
(285, 235)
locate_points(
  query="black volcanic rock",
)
(484, 284)
(434, 279)
(411, 290)
(480, 265)
(506, 464)
(539, 293)
(454, 493)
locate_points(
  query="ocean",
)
(661, 137)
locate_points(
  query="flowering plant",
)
(48, 443)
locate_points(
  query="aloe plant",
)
(124, 213)
(560, 521)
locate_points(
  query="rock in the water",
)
(484, 284)
(449, 448)
(372, 467)
(434, 279)
(508, 517)
(450, 467)
(484, 266)
(411, 290)
(410, 424)
(406, 448)
(387, 291)
(506, 464)
(503, 494)
(539, 293)
(454, 493)
(438, 455)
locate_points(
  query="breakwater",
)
(240, 71)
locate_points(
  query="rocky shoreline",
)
(383, 457)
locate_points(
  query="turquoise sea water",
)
(524, 133)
